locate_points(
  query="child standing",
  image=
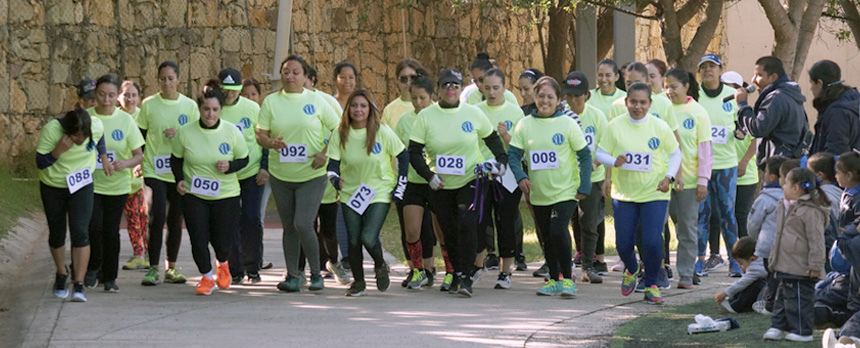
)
(823, 164)
(761, 223)
(797, 256)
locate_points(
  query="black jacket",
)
(778, 118)
(837, 129)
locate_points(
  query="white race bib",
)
(162, 164)
(719, 134)
(111, 155)
(360, 200)
(205, 186)
(638, 161)
(543, 159)
(241, 127)
(294, 153)
(589, 139)
(451, 165)
(79, 179)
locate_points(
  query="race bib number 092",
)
(360, 200)
(543, 159)
(451, 165)
(638, 161)
(294, 153)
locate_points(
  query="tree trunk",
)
(793, 30)
(605, 31)
(559, 23)
(702, 38)
(671, 33)
(852, 17)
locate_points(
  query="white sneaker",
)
(504, 281)
(727, 306)
(828, 339)
(760, 307)
(849, 341)
(478, 274)
(774, 334)
(617, 267)
(339, 273)
(798, 338)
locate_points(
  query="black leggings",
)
(459, 225)
(58, 204)
(162, 194)
(326, 227)
(428, 237)
(213, 222)
(552, 221)
(104, 235)
(504, 216)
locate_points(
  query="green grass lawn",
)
(19, 196)
(673, 322)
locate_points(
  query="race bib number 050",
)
(111, 155)
(543, 159)
(205, 186)
(451, 165)
(79, 179)
(294, 153)
(360, 200)
(161, 164)
(638, 161)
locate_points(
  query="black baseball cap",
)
(231, 79)
(576, 83)
(450, 75)
(86, 88)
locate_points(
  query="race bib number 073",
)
(360, 200)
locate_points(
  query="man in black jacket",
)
(778, 117)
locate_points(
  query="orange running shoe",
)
(206, 286)
(223, 274)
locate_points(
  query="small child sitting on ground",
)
(740, 296)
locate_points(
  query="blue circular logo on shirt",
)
(91, 146)
(183, 119)
(325, 141)
(224, 148)
(727, 106)
(467, 127)
(689, 123)
(309, 109)
(558, 139)
(508, 124)
(246, 122)
(117, 135)
(653, 143)
(590, 129)
(377, 148)
(655, 114)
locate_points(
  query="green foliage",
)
(833, 9)
(19, 195)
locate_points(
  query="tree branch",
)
(689, 10)
(702, 39)
(806, 32)
(634, 14)
(852, 17)
(671, 33)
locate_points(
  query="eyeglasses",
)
(450, 85)
(406, 78)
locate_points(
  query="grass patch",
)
(672, 323)
(19, 196)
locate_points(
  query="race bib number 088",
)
(79, 179)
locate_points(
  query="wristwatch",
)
(671, 179)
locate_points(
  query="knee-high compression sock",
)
(415, 252)
(449, 267)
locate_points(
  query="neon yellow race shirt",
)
(509, 113)
(122, 136)
(476, 97)
(244, 114)
(722, 117)
(136, 183)
(373, 170)
(156, 115)
(695, 129)
(751, 176)
(404, 128)
(594, 125)
(76, 158)
(603, 101)
(661, 107)
(392, 112)
(201, 148)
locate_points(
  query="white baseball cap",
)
(732, 77)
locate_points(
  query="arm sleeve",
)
(44, 160)
(757, 216)
(143, 133)
(494, 143)
(176, 164)
(837, 135)
(515, 155)
(583, 158)
(237, 165)
(848, 243)
(264, 161)
(674, 163)
(604, 158)
(706, 162)
(758, 125)
(815, 237)
(101, 146)
(333, 166)
(403, 163)
(416, 158)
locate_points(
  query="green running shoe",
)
(151, 277)
(418, 279)
(551, 288)
(172, 275)
(446, 282)
(568, 289)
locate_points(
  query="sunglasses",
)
(406, 78)
(450, 85)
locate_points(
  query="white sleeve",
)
(605, 158)
(674, 163)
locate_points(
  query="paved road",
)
(259, 315)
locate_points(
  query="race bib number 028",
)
(79, 179)
(451, 165)
(638, 161)
(719, 134)
(111, 155)
(205, 186)
(360, 200)
(543, 159)
(294, 153)
(162, 164)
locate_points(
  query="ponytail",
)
(808, 182)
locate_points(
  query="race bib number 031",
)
(360, 200)
(111, 155)
(638, 161)
(451, 165)
(543, 159)
(719, 134)
(205, 186)
(79, 179)
(161, 164)
(294, 153)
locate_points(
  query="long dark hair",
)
(806, 179)
(830, 76)
(212, 89)
(373, 121)
(686, 78)
(77, 121)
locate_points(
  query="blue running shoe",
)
(700, 268)
(735, 271)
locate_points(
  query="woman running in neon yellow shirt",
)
(136, 208)
(407, 71)
(606, 93)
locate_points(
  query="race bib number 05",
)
(719, 134)
(205, 186)
(638, 161)
(111, 155)
(589, 139)
(451, 165)
(162, 164)
(360, 200)
(294, 153)
(543, 159)
(79, 179)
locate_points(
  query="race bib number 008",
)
(79, 179)
(111, 155)
(543, 159)
(205, 186)
(360, 200)
(719, 134)
(451, 165)
(161, 164)
(294, 153)
(638, 161)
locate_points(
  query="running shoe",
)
(520, 262)
(491, 262)
(618, 266)
(504, 281)
(714, 262)
(828, 339)
(669, 274)
(568, 289)
(340, 274)
(382, 280)
(265, 265)
(317, 283)
(760, 307)
(700, 268)
(417, 280)
(591, 276)
(455, 284)
(151, 277)
(236, 280)
(254, 277)
(479, 272)
(172, 275)
(465, 289)
(206, 286)
(405, 281)
(601, 268)
(136, 262)
(652, 295)
(663, 280)
(774, 334)
(550, 288)
(222, 275)
(110, 286)
(685, 283)
(542, 272)
(577, 259)
(91, 279)
(446, 282)
(696, 279)
(735, 271)
(291, 284)
(628, 282)
(356, 289)
(60, 285)
(431, 274)
(78, 294)
(727, 305)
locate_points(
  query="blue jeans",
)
(651, 216)
(722, 189)
(363, 230)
